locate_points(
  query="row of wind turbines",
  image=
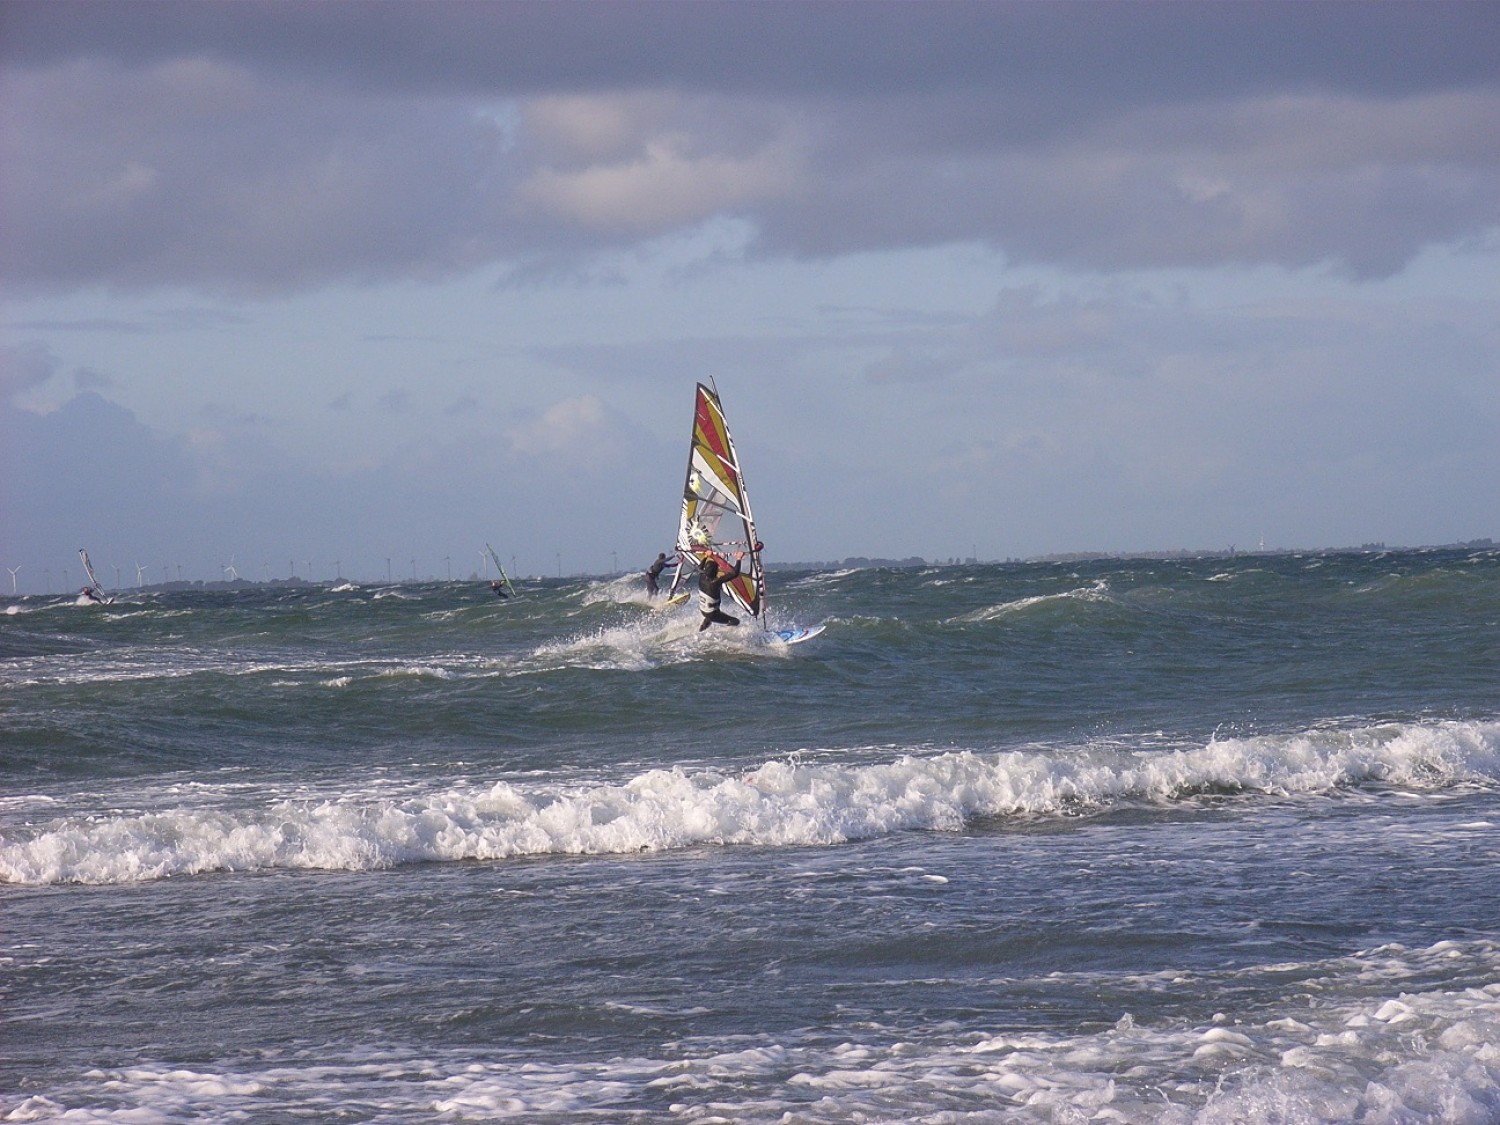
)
(140, 573)
(230, 572)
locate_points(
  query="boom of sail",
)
(716, 518)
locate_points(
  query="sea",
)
(1197, 839)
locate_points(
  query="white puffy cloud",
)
(577, 428)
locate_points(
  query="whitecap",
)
(781, 803)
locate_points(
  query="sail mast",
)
(88, 568)
(752, 542)
(713, 489)
(503, 576)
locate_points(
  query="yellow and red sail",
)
(716, 519)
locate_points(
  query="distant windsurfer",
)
(498, 589)
(652, 589)
(711, 592)
(93, 591)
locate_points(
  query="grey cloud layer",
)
(1059, 53)
(258, 147)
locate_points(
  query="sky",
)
(350, 289)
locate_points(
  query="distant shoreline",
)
(861, 562)
(852, 562)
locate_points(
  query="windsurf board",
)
(798, 635)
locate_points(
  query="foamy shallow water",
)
(1425, 1057)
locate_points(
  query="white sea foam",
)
(821, 578)
(1379, 1045)
(670, 637)
(1098, 592)
(785, 802)
(627, 589)
(178, 663)
(417, 671)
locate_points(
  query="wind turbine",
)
(13, 573)
(231, 575)
(139, 571)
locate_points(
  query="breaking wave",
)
(786, 802)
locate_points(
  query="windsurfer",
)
(654, 573)
(711, 592)
(499, 590)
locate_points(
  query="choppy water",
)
(1202, 840)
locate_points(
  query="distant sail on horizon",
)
(505, 578)
(88, 568)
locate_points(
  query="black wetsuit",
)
(653, 574)
(710, 591)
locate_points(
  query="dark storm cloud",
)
(1067, 52)
(251, 146)
(194, 173)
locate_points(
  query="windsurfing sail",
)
(716, 518)
(88, 569)
(505, 578)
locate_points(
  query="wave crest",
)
(781, 803)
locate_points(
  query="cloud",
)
(397, 400)
(1265, 409)
(203, 174)
(659, 189)
(88, 379)
(577, 428)
(1071, 53)
(78, 471)
(23, 366)
(462, 407)
(255, 148)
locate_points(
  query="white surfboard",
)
(797, 635)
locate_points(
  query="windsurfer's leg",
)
(707, 620)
